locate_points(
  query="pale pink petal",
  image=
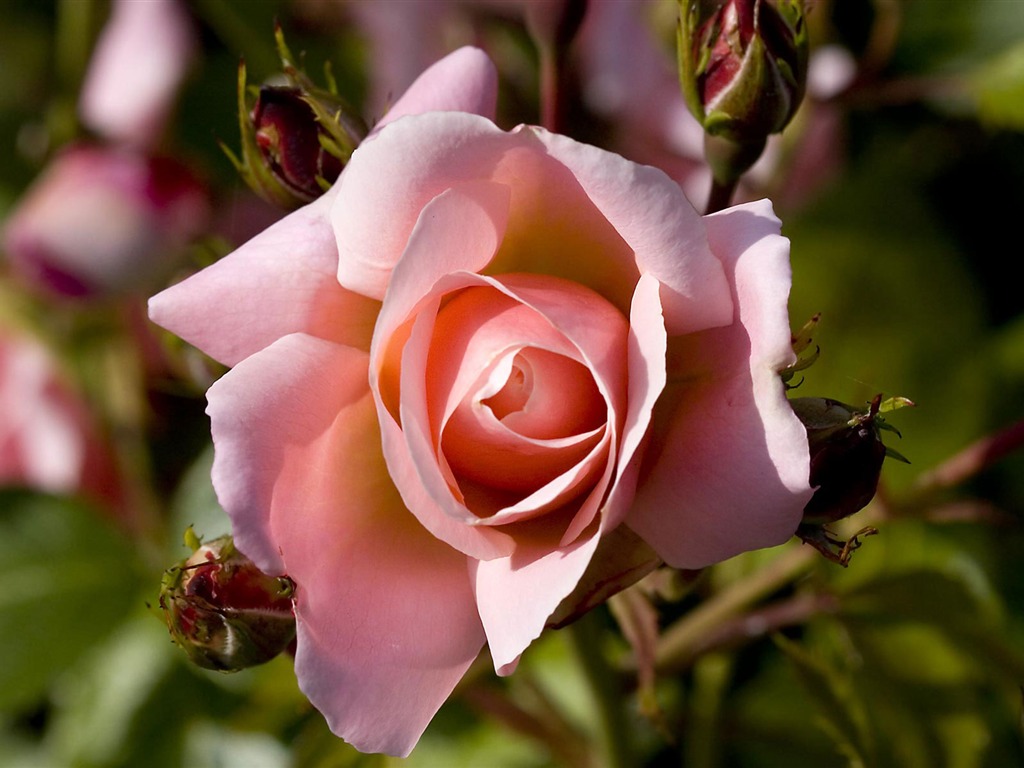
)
(282, 281)
(139, 64)
(650, 213)
(390, 180)
(463, 81)
(647, 351)
(386, 618)
(577, 212)
(516, 595)
(732, 470)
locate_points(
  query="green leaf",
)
(67, 578)
(999, 89)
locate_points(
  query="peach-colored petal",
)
(282, 281)
(732, 470)
(646, 357)
(385, 611)
(460, 229)
(650, 213)
(463, 81)
(516, 595)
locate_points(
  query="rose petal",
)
(732, 472)
(463, 81)
(577, 212)
(650, 213)
(282, 281)
(646, 358)
(460, 229)
(386, 616)
(516, 595)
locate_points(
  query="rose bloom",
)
(478, 357)
(102, 221)
(136, 70)
(48, 439)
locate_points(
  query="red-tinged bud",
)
(288, 139)
(296, 137)
(743, 65)
(223, 611)
(847, 452)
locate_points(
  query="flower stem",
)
(679, 642)
(720, 195)
(585, 636)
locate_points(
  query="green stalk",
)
(602, 679)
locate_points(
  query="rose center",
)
(516, 392)
(515, 406)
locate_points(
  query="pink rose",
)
(466, 365)
(48, 439)
(105, 221)
(139, 64)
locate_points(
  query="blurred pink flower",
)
(139, 63)
(105, 221)
(468, 364)
(627, 75)
(48, 440)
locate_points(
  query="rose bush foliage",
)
(480, 355)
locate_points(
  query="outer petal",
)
(282, 281)
(576, 212)
(516, 595)
(728, 467)
(463, 81)
(649, 211)
(386, 620)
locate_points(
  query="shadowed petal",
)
(732, 471)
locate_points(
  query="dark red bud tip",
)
(288, 139)
(846, 455)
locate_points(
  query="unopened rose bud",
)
(224, 612)
(743, 68)
(846, 457)
(288, 139)
(846, 452)
(296, 138)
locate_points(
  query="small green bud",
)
(224, 612)
(743, 65)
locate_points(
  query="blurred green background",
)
(913, 656)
